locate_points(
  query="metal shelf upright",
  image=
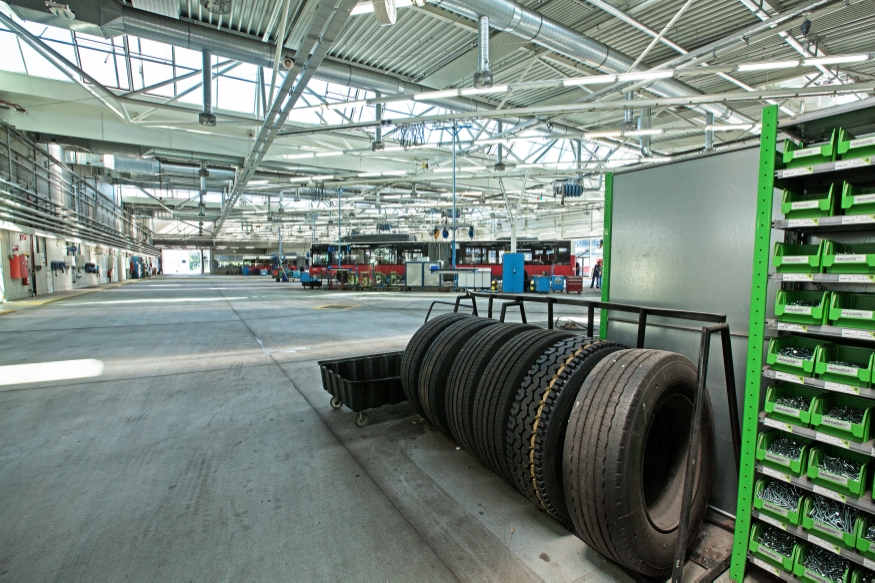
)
(858, 118)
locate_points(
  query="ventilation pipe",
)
(645, 122)
(709, 132)
(525, 23)
(499, 152)
(203, 173)
(628, 115)
(378, 144)
(207, 118)
(483, 76)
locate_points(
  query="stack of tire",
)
(592, 433)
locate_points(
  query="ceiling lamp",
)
(217, 6)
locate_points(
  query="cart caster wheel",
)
(336, 403)
(361, 419)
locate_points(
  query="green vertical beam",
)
(759, 287)
(606, 253)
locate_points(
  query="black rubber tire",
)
(436, 368)
(625, 456)
(539, 418)
(499, 384)
(465, 374)
(414, 354)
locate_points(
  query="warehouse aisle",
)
(180, 432)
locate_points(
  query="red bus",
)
(389, 257)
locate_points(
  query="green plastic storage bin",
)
(848, 258)
(837, 483)
(825, 531)
(780, 513)
(768, 555)
(862, 575)
(796, 466)
(790, 364)
(844, 374)
(807, 205)
(811, 315)
(807, 576)
(852, 311)
(849, 147)
(796, 156)
(865, 546)
(799, 417)
(789, 258)
(857, 200)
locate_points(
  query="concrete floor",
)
(206, 449)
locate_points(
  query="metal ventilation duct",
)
(163, 7)
(508, 16)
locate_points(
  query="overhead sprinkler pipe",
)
(645, 122)
(207, 118)
(483, 76)
(378, 130)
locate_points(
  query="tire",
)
(625, 456)
(411, 361)
(464, 378)
(436, 368)
(539, 418)
(495, 395)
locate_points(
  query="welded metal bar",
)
(658, 37)
(731, 394)
(590, 319)
(642, 328)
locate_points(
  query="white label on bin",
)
(850, 259)
(797, 172)
(827, 529)
(777, 510)
(856, 278)
(832, 439)
(794, 258)
(833, 548)
(790, 378)
(864, 198)
(857, 219)
(841, 388)
(855, 163)
(837, 423)
(785, 410)
(858, 314)
(817, 577)
(792, 327)
(858, 334)
(769, 422)
(835, 479)
(778, 459)
(798, 310)
(765, 566)
(829, 494)
(841, 369)
(805, 152)
(804, 204)
(797, 276)
(775, 556)
(773, 473)
(794, 223)
(868, 563)
(789, 360)
(861, 142)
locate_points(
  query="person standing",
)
(596, 275)
(577, 271)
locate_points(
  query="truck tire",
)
(436, 368)
(539, 418)
(464, 378)
(495, 394)
(625, 455)
(411, 361)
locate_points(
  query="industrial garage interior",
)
(437, 290)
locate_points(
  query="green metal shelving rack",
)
(859, 118)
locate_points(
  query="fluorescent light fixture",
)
(597, 79)
(650, 132)
(299, 156)
(328, 154)
(475, 91)
(613, 134)
(645, 76)
(258, 182)
(459, 169)
(366, 7)
(835, 60)
(380, 174)
(250, 247)
(436, 94)
(311, 178)
(768, 66)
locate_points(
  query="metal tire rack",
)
(860, 118)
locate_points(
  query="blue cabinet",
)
(513, 273)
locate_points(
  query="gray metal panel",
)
(683, 237)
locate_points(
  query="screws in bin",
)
(798, 403)
(794, 352)
(783, 495)
(805, 303)
(840, 466)
(786, 447)
(833, 513)
(844, 363)
(825, 563)
(870, 532)
(851, 414)
(778, 540)
(866, 575)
